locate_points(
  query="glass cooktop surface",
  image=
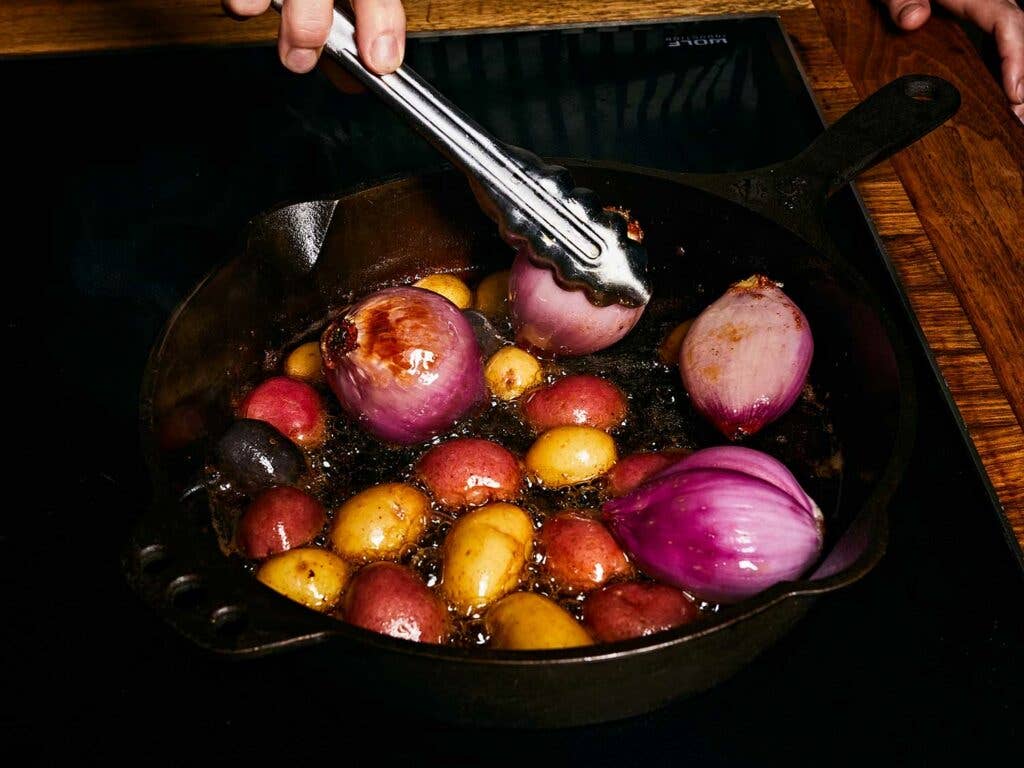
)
(154, 162)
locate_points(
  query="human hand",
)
(380, 31)
(1001, 18)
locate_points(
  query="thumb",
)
(909, 14)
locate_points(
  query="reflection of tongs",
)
(534, 204)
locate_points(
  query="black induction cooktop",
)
(143, 169)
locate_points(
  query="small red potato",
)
(580, 553)
(470, 471)
(392, 600)
(624, 611)
(293, 407)
(280, 518)
(579, 400)
(633, 470)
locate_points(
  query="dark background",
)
(131, 177)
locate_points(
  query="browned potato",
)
(484, 555)
(449, 286)
(311, 576)
(380, 522)
(526, 621)
(304, 363)
(492, 295)
(510, 372)
(668, 350)
(470, 471)
(566, 456)
(392, 600)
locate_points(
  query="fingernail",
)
(1020, 91)
(384, 53)
(909, 11)
(300, 59)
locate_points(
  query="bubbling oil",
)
(660, 416)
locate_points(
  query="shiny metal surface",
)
(535, 205)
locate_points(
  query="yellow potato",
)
(526, 621)
(566, 456)
(668, 350)
(449, 286)
(304, 363)
(311, 576)
(379, 523)
(510, 372)
(492, 295)
(484, 555)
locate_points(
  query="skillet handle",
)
(895, 116)
(793, 193)
(173, 564)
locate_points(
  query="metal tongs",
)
(535, 205)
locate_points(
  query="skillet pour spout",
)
(271, 293)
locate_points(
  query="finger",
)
(245, 8)
(909, 14)
(1005, 21)
(304, 28)
(380, 34)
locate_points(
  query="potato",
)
(566, 456)
(633, 470)
(484, 555)
(392, 600)
(510, 372)
(470, 471)
(311, 576)
(449, 286)
(580, 553)
(623, 611)
(253, 455)
(379, 523)
(292, 407)
(526, 621)
(492, 295)
(279, 519)
(304, 363)
(582, 400)
(668, 350)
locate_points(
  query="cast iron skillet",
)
(300, 261)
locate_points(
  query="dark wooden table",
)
(950, 209)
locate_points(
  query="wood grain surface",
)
(952, 228)
(965, 183)
(63, 26)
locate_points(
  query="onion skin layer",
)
(718, 532)
(745, 359)
(405, 363)
(550, 319)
